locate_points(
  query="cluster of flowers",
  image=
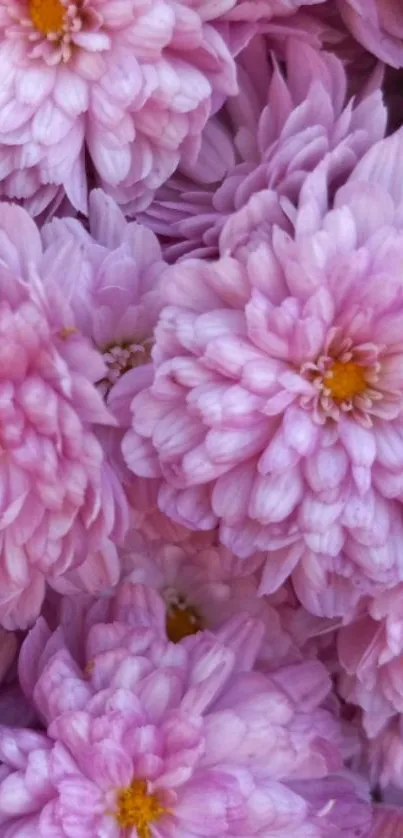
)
(201, 419)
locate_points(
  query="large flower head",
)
(130, 84)
(158, 739)
(55, 505)
(276, 407)
(288, 115)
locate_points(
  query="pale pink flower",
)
(271, 135)
(113, 282)
(377, 25)
(131, 84)
(276, 407)
(57, 504)
(161, 739)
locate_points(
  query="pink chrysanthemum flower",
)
(113, 282)
(201, 584)
(56, 502)
(281, 124)
(387, 822)
(158, 740)
(377, 25)
(129, 83)
(8, 651)
(370, 651)
(276, 408)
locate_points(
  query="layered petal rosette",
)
(157, 739)
(276, 407)
(56, 504)
(130, 84)
(291, 110)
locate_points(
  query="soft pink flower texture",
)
(205, 580)
(278, 128)
(132, 83)
(225, 750)
(240, 425)
(377, 25)
(56, 502)
(114, 284)
(209, 577)
(387, 823)
(371, 654)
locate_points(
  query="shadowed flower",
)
(131, 84)
(112, 277)
(291, 110)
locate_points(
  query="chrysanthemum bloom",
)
(57, 505)
(281, 124)
(113, 282)
(276, 408)
(201, 584)
(377, 25)
(161, 740)
(130, 83)
(371, 654)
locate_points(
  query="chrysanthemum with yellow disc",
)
(109, 84)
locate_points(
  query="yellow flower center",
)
(345, 380)
(182, 621)
(137, 809)
(47, 16)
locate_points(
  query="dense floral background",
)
(201, 419)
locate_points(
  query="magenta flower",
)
(56, 504)
(276, 408)
(377, 25)
(278, 128)
(161, 739)
(130, 83)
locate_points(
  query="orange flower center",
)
(48, 16)
(137, 809)
(345, 380)
(182, 621)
